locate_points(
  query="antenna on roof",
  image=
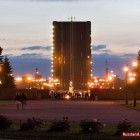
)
(71, 18)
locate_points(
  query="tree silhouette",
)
(1, 67)
(137, 70)
(8, 81)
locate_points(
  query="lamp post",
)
(135, 102)
(126, 78)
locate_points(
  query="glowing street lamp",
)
(126, 78)
(29, 78)
(134, 104)
(134, 64)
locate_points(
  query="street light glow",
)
(126, 69)
(18, 79)
(135, 64)
(29, 78)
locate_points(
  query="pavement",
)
(48, 110)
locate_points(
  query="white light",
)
(131, 78)
(135, 64)
(29, 78)
(67, 97)
(126, 69)
(18, 79)
(110, 78)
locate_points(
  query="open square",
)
(104, 111)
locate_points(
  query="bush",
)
(90, 126)
(60, 126)
(4, 122)
(30, 124)
(123, 126)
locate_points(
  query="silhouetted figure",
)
(1, 50)
(23, 99)
(17, 101)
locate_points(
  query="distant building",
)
(71, 54)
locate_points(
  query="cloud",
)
(100, 48)
(37, 48)
(29, 55)
(29, 52)
(1, 39)
(128, 56)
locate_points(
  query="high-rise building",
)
(71, 54)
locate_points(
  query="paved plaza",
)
(104, 111)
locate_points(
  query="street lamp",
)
(126, 78)
(135, 102)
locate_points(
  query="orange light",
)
(29, 78)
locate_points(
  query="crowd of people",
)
(74, 95)
(20, 100)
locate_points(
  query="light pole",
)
(135, 102)
(126, 78)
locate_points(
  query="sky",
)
(25, 32)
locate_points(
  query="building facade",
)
(71, 54)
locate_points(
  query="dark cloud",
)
(37, 48)
(29, 55)
(100, 48)
(26, 63)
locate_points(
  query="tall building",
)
(71, 54)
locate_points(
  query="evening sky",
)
(25, 32)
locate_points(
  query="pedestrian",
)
(23, 99)
(17, 101)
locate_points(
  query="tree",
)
(1, 67)
(137, 80)
(137, 69)
(8, 81)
